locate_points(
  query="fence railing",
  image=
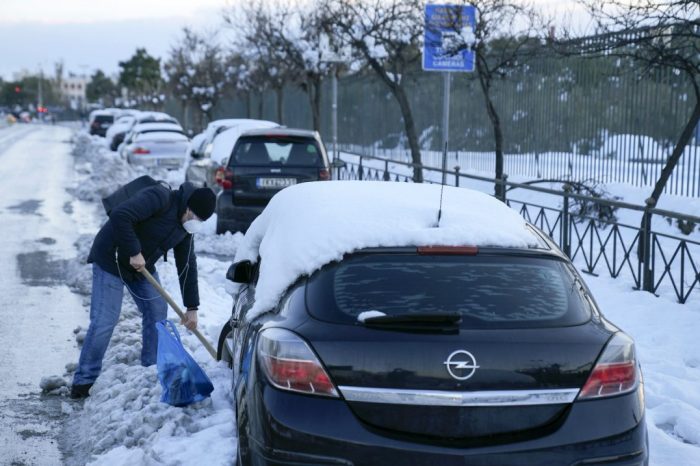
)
(654, 260)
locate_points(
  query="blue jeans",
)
(105, 307)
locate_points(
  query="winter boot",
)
(80, 391)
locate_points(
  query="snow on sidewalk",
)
(666, 336)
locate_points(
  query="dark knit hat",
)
(202, 202)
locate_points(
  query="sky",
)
(91, 34)
(96, 34)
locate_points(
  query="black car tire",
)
(222, 226)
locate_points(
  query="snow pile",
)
(127, 423)
(223, 143)
(220, 245)
(123, 421)
(665, 334)
(312, 224)
(104, 171)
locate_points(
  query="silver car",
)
(156, 145)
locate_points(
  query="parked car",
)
(99, 121)
(140, 118)
(215, 147)
(119, 128)
(156, 145)
(365, 332)
(263, 162)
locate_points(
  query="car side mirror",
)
(240, 272)
(195, 155)
(337, 163)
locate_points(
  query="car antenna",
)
(444, 180)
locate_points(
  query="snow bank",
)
(665, 334)
(123, 421)
(312, 224)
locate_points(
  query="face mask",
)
(192, 226)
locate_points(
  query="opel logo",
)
(461, 364)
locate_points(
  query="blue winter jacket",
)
(149, 223)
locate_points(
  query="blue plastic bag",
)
(183, 381)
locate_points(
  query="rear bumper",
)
(298, 429)
(233, 217)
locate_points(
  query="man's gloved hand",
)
(190, 320)
(137, 262)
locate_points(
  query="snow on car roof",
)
(161, 136)
(223, 143)
(156, 126)
(307, 226)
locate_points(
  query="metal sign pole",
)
(335, 113)
(445, 124)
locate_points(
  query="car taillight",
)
(447, 250)
(615, 372)
(291, 365)
(224, 177)
(141, 150)
(324, 175)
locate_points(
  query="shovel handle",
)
(177, 310)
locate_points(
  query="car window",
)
(104, 118)
(489, 291)
(274, 150)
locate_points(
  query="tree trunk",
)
(671, 163)
(411, 133)
(409, 125)
(248, 108)
(280, 105)
(313, 92)
(499, 189)
(677, 153)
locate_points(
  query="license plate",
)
(275, 183)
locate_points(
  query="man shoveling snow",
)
(139, 232)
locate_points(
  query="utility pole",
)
(335, 112)
(40, 98)
(445, 123)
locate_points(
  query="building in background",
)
(73, 89)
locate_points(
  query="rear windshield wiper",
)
(433, 322)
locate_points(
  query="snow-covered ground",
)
(124, 423)
(621, 158)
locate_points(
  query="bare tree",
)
(386, 35)
(197, 72)
(507, 33)
(655, 34)
(296, 33)
(266, 67)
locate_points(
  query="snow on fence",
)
(655, 258)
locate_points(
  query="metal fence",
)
(654, 259)
(606, 119)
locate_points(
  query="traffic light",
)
(18, 89)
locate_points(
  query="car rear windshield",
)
(276, 150)
(488, 291)
(104, 118)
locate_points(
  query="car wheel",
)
(221, 226)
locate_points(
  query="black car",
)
(99, 123)
(262, 163)
(472, 355)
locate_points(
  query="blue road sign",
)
(449, 38)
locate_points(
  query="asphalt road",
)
(38, 228)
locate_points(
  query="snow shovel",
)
(177, 309)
